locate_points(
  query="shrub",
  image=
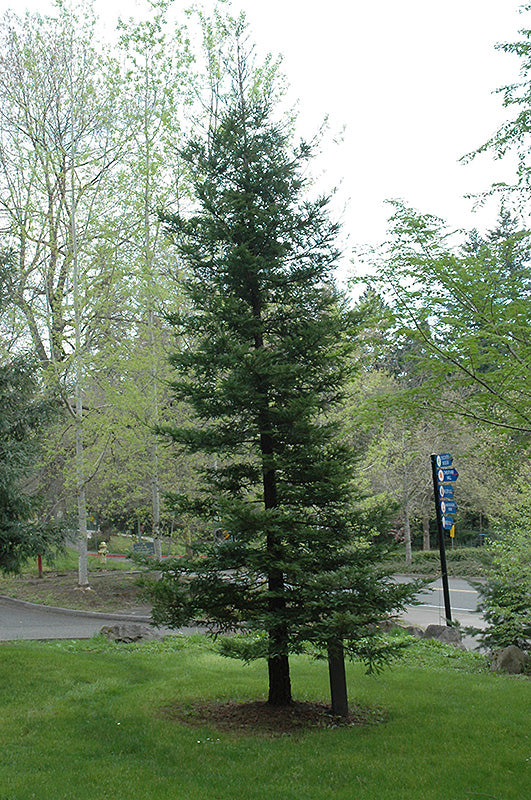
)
(506, 595)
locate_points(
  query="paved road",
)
(20, 620)
(463, 602)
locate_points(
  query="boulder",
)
(414, 630)
(388, 625)
(511, 660)
(444, 633)
(129, 632)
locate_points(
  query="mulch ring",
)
(258, 717)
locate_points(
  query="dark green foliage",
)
(506, 595)
(506, 608)
(270, 342)
(22, 417)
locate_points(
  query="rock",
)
(444, 633)
(414, 630)
(511, 660)
(388, 625)
(129, 632)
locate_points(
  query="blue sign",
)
(447, 523)
(444, 460)
(444, 475)
(446, 491)
(448, 506)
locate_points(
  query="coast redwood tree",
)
(264, 354)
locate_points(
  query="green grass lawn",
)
(83, 720)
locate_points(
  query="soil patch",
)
(258, 717)
(109, 591)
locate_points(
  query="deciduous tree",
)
(469, 310)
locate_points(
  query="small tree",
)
(506, 594)
(267, 357)
(22, 417)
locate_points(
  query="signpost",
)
(444, 474)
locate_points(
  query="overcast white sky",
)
(412, 80)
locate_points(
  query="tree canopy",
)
(467, 308)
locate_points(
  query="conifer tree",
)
(24, 414)
(266, 342)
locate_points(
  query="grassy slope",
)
(82, 720)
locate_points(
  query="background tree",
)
(512, 138)
(85, 161)
(58, 142)
(395, 436)
(506, 594)
(24, 412)
(159, 86)
(268, 360)
(397, 405)
(469, 310)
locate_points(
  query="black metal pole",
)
(440, 535)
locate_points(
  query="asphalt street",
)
(430, 609)
(21, 620)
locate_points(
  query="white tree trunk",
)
(407, 534)
(426, 543)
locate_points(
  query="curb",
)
(76, 612)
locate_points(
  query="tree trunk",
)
(83, 580)
(279, 678)
(407, 521)
(407, 534)
(426, 543)
(338, 681)
(278, 661)
(155, 493)
(82, 569)
(278, 658)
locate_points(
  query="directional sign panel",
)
(444, 475)
(447, 522)
(444, 460)
(448, 506)
(446, 491)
